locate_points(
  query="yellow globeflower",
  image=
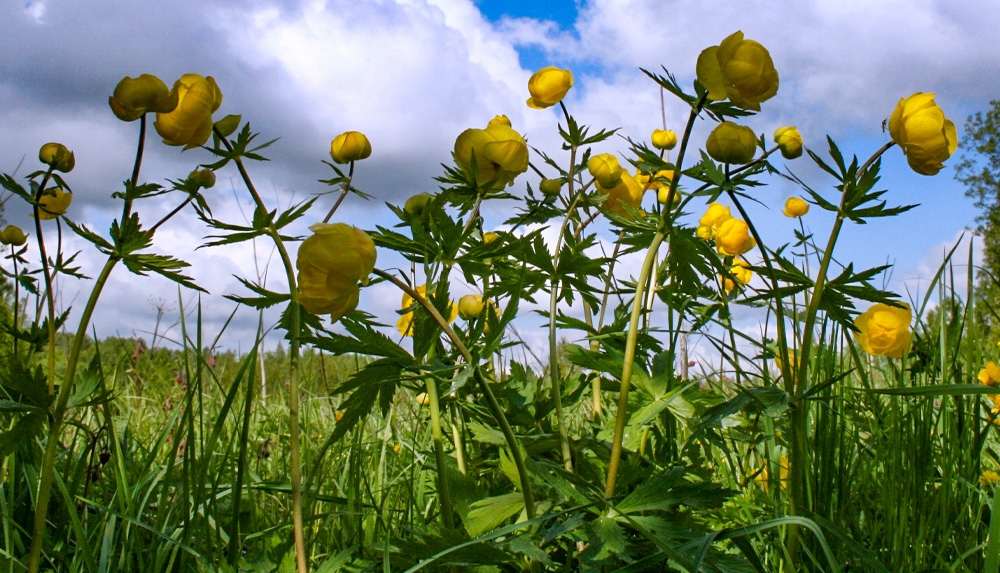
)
(501, 153)
(739, 69)
(990, 376)
(989, 477)
(664, 139)
(54, 205)
(57, 156)
(732, 237)
(350, 146)
(405, 323)
(789, 141)
(550, 187)
(795, 207)
(605, 169)
(135, 97)
(884, 330)
(626, 192)
(731, 143)
(926, 136)
(12, 235)
(470, 306)
(548, 86)
(190, 123)
(331, 262)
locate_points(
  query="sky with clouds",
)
(413, 74)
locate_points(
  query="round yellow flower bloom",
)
(925, 135)
(795, 207)
(884, 330)
(54, 205)
(470, 306)
(501, 153)
(739, 270)
(739, 69)
(605, 169)
(331, 262)
(626, 192)
(405, 323)
(664, 139)
(732, 237)
(990, 374)
(135, 97)
(350, 146)
(731, 143)
(703, 232)
(489, 237)
(550, 187)
(789, 141)
(663, 193)
(57, 156)
(12, 235)
(548, 86)
(190, 123)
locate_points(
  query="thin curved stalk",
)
(494, 404)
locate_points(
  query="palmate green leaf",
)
(293, 213)
(364, 340)
(24, 385)
(486, 514)
(91, 237)
(134, 192)
(607, 539)
(163, 265)
(10, 184)
(376, 382)
(674, 401)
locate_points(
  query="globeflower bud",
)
(664, 139)
(732, 237)
(203, 178)
(12, 235)
(470, 306)
(884, 330)
(605, 169)
(416, 204)
(331, 262)
(921, 130)
(739, 69)
(489, 237)
(51, 206)
(548, 86)
(190, 123)
(550, 187)
(57, 156)
(663, 193)
(350, 146)
(795, 207)
(135, 97)
(731, 143)
(789, 141)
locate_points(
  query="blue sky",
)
(412, 74)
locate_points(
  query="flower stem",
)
(495, 409)
(294, 376)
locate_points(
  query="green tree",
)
(979, 171)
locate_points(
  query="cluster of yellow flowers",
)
(731, 235)
(500, 153)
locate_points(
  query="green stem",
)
(637, 305)
(495, 408)
(56, 418)
(294, 376)
(444, 492)
(47, 275)
(630, 344)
